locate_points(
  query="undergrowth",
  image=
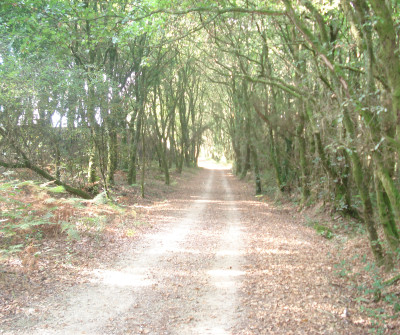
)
(374, 291)
(376, 296)
(31, 212)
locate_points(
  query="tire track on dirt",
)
(197, 281)
(181, 279)
(220, 305)
(131, 282)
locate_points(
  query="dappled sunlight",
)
(188, 251)
(169, 241)
(209, 201)
(230, 252)
(253, 204)
(123, 278)
(225, 278)
(225, 273)
(206, 330)
(151, 150)
(284, 241)
(276, 252)
(309, 303)
(210, 164)
(181, 204)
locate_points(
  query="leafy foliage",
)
(303, 96)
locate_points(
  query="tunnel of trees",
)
(304, 95)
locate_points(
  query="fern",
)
(70, 230)
(101, 199)
(12, 249)
(50, 201)
(26, 183)
(6, 186)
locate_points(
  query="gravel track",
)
(181, 279)
(219, 262)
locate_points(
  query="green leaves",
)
(57, 189)
(10, 250)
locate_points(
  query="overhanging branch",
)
(47, 176)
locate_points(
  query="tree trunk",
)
(164, 162)
(92, 174)
(361, 183)
(112, 155)
(274, 159)
(142, 134)
(389, 56)
(27, 164)
(134, 142)
(58, 161)
(305, 191)
(386, 216)
(256, 170)
(246, 163)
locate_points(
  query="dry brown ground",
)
(210, 259)
(62, 262)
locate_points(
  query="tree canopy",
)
(303, 94)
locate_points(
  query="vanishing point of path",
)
(219, 262)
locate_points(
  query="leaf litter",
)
(286, 281)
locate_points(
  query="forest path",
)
(220, 262)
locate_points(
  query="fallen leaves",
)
(289, 286)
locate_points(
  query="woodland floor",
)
(206, 258)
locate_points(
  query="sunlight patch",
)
(276, 252)
(190, 251)
(123, 279)
(210, 331)
(213, 165)
(225, 273)
(230, 252)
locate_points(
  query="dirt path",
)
(219, 263)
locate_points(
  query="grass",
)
(320, 228)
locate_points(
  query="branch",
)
(283, 86)
(47, 176)
(261, 115)
(310, 38)
(213, 10)
(29, 165)
(392, 281)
